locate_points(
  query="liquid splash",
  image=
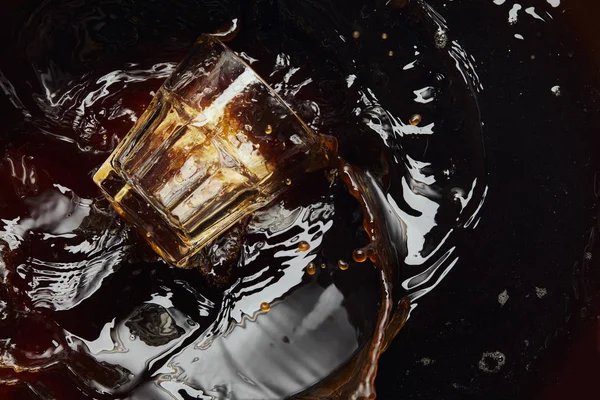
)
(118, 323)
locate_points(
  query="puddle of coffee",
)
(88, 311)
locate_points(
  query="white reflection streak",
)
(425, 276)
(420, 293)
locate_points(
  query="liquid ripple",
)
(405, 112)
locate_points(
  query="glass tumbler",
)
(215, 144)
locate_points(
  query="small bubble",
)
(356, 34)
(426, 361)
(323, 265)
(415, 119)
(265, 307)
(303, 246)
(359, 255)
(269, 129)
(441, 38)
(132, 337)
(311, 269)
(391, 53)
(343, 265)
(503, 297)
(541, 292)
(384, 36)
(492, 362)
(288, 181)
(285, 339)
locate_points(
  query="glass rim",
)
(239, 59)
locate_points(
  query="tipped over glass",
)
(216, 144)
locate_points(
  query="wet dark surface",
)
(516, 316)
(539, 229)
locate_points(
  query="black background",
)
(539, 227)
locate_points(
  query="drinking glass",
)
(216, 143)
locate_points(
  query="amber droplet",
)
(391, 53)
(384, 36)
(359, 255)
(148, 234)
(323, 266)
(269, 129)
(288, 181)
(356, 34)
(399, 3)
(264, 306)
(415, 119)
(311, 269)
(343, 265)
(303, 246)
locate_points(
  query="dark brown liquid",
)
(90, 312)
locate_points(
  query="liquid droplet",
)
(359, 255)
(288, 181)
(343, 265)
(269, 129)
(311, 269)
(356, 34)
(556, 90)
(265, 307)
(384, 36)
(323, 266)
(415, 119)
(390, 53)
(399, 3)
(303, 246)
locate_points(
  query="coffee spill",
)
(365, 387)
(77, 283)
